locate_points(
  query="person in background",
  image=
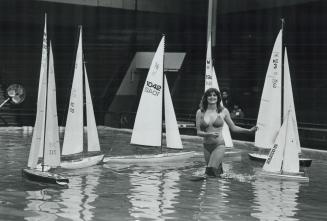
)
(210, 118)
(226, 100)
(237, 112)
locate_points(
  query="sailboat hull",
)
(296, 176)
(85, 162)
(45, 168)
(304, 162)
(150, 158)
(44, 177)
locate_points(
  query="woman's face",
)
(212, 98)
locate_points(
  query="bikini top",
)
(219, 122)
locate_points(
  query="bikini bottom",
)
(211, 147)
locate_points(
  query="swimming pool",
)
(156, 191)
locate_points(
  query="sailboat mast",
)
(83, 80)
(209, 30)
(282, 77)
(45, 110)
(163, 95)
(285, 143)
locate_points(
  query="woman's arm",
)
(200, 132)
(236, 128)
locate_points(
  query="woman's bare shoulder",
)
(225, 112)
(198, 111)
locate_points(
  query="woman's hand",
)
(253, 129)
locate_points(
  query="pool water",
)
(158, 190)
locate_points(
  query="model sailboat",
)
(148, 123)
(73, 139)
(45, 140)
(212, 82)
(283, 159)
(276, 100)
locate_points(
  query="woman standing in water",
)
(209, 123)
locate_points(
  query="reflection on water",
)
(275, 199)
(41, 206)
(73, 203)
(219, 196)
(212, 198)
(153, 195)
(77, 199)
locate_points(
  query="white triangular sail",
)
(36, 150)
(52, 146)
(225, 131)
(73, 139)
(212, 82)
(92, 132)
(283, 157)
(276, 154)
(289, 101)
(269, 117)
(173, 137)
(148, 121)
(227, 136)
(291, 154)
(215, 80)
(208, 75)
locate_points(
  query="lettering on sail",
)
(72, 107)
(275, 59)
(152, 88)
(44, 45)
(52, 149)
(274, 83)
(208, 77)
(271, 154)
(155, 68)
(208, 67)
(275, 62)
(52, 152)
(72, 104)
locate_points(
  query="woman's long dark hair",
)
(204, 100)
